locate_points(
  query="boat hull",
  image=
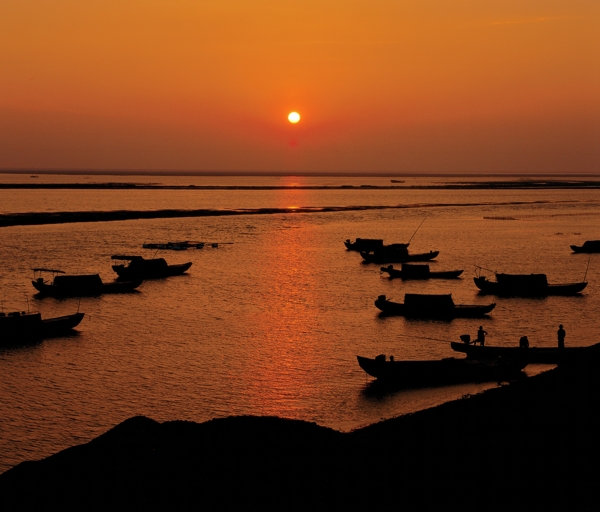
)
(391, 257)
(401, 274)
(390, 308)
(27, 327)
(531, 355)
(52, 290)
(495, 288)
(438, 372)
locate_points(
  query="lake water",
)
(271, 321)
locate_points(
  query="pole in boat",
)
(417, 230)
(586, 270)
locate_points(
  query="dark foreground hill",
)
(532, 445)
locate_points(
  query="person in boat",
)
(481, 336)
(524, 342)
(561, 336)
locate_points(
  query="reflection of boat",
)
(79, 285)
(394, 255)
(419, 272)
(140, 268)
(21, 326)
(588, 246)
(533, 355)
(443, 371)
(431, 306)
(525, 285)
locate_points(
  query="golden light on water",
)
(293, 117)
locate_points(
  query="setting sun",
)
(293, 117)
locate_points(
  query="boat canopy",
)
(592, 244)
(522, 280)
(416, 300)
(90, 280)
(415, 270)
(148, 265)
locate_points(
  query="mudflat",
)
(530, 445)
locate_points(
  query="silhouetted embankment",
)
(38, 218)
(532, 445)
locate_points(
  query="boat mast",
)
(416, 230)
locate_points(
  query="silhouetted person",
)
(391, 359)
(481, 336)
(561, 336)
(524, 342)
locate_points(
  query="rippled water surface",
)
(270, 323)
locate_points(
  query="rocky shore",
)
(530, 445)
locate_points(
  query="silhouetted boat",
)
(21, 327)
(141, 268)
(394, 255)
(79, 285)
(588, 246)
(397, 181)
(533, 355)
(526, 285)
(431, 306)
(444, 371)
(184, 245)
(419, 272)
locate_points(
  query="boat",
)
(141, 268)
(184, 245)
(19, 326)
(588, 246)
(530, 355)
(396, 255)
(432, 306)
(443, 371)
(409, 271)
(526, 285)
(397, 181)
(62, 285)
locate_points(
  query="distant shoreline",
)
(484, 185)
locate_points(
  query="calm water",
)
(271, 323)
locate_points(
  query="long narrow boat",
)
(526, 285)
(141, 268)
(589, 246)
(22, 327)
(79, 285)
(436, 372)
(432, 306)
(396, 256)
(419, 272)
(533, 355)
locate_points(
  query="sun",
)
(293, 117)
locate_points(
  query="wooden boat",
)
(63, 285)
(393, 255)
(21, 327)
(184, 245)
(419, 272)
(526, 285)
(588, 246)
(436, 372)
(141, 268)
(530, 355)
(431, 306)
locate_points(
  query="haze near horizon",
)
(389, 86)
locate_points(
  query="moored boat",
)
(408, 271)
(141, 268)
(364, 244)
(589, 246)
(396, 255)
(530, 355)
(432, 306)
(526, 285)
(63, 285)
(443, 371)
(19, 326)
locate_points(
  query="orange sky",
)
(382, 86)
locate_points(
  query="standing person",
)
(481, 336)
(561, 336)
